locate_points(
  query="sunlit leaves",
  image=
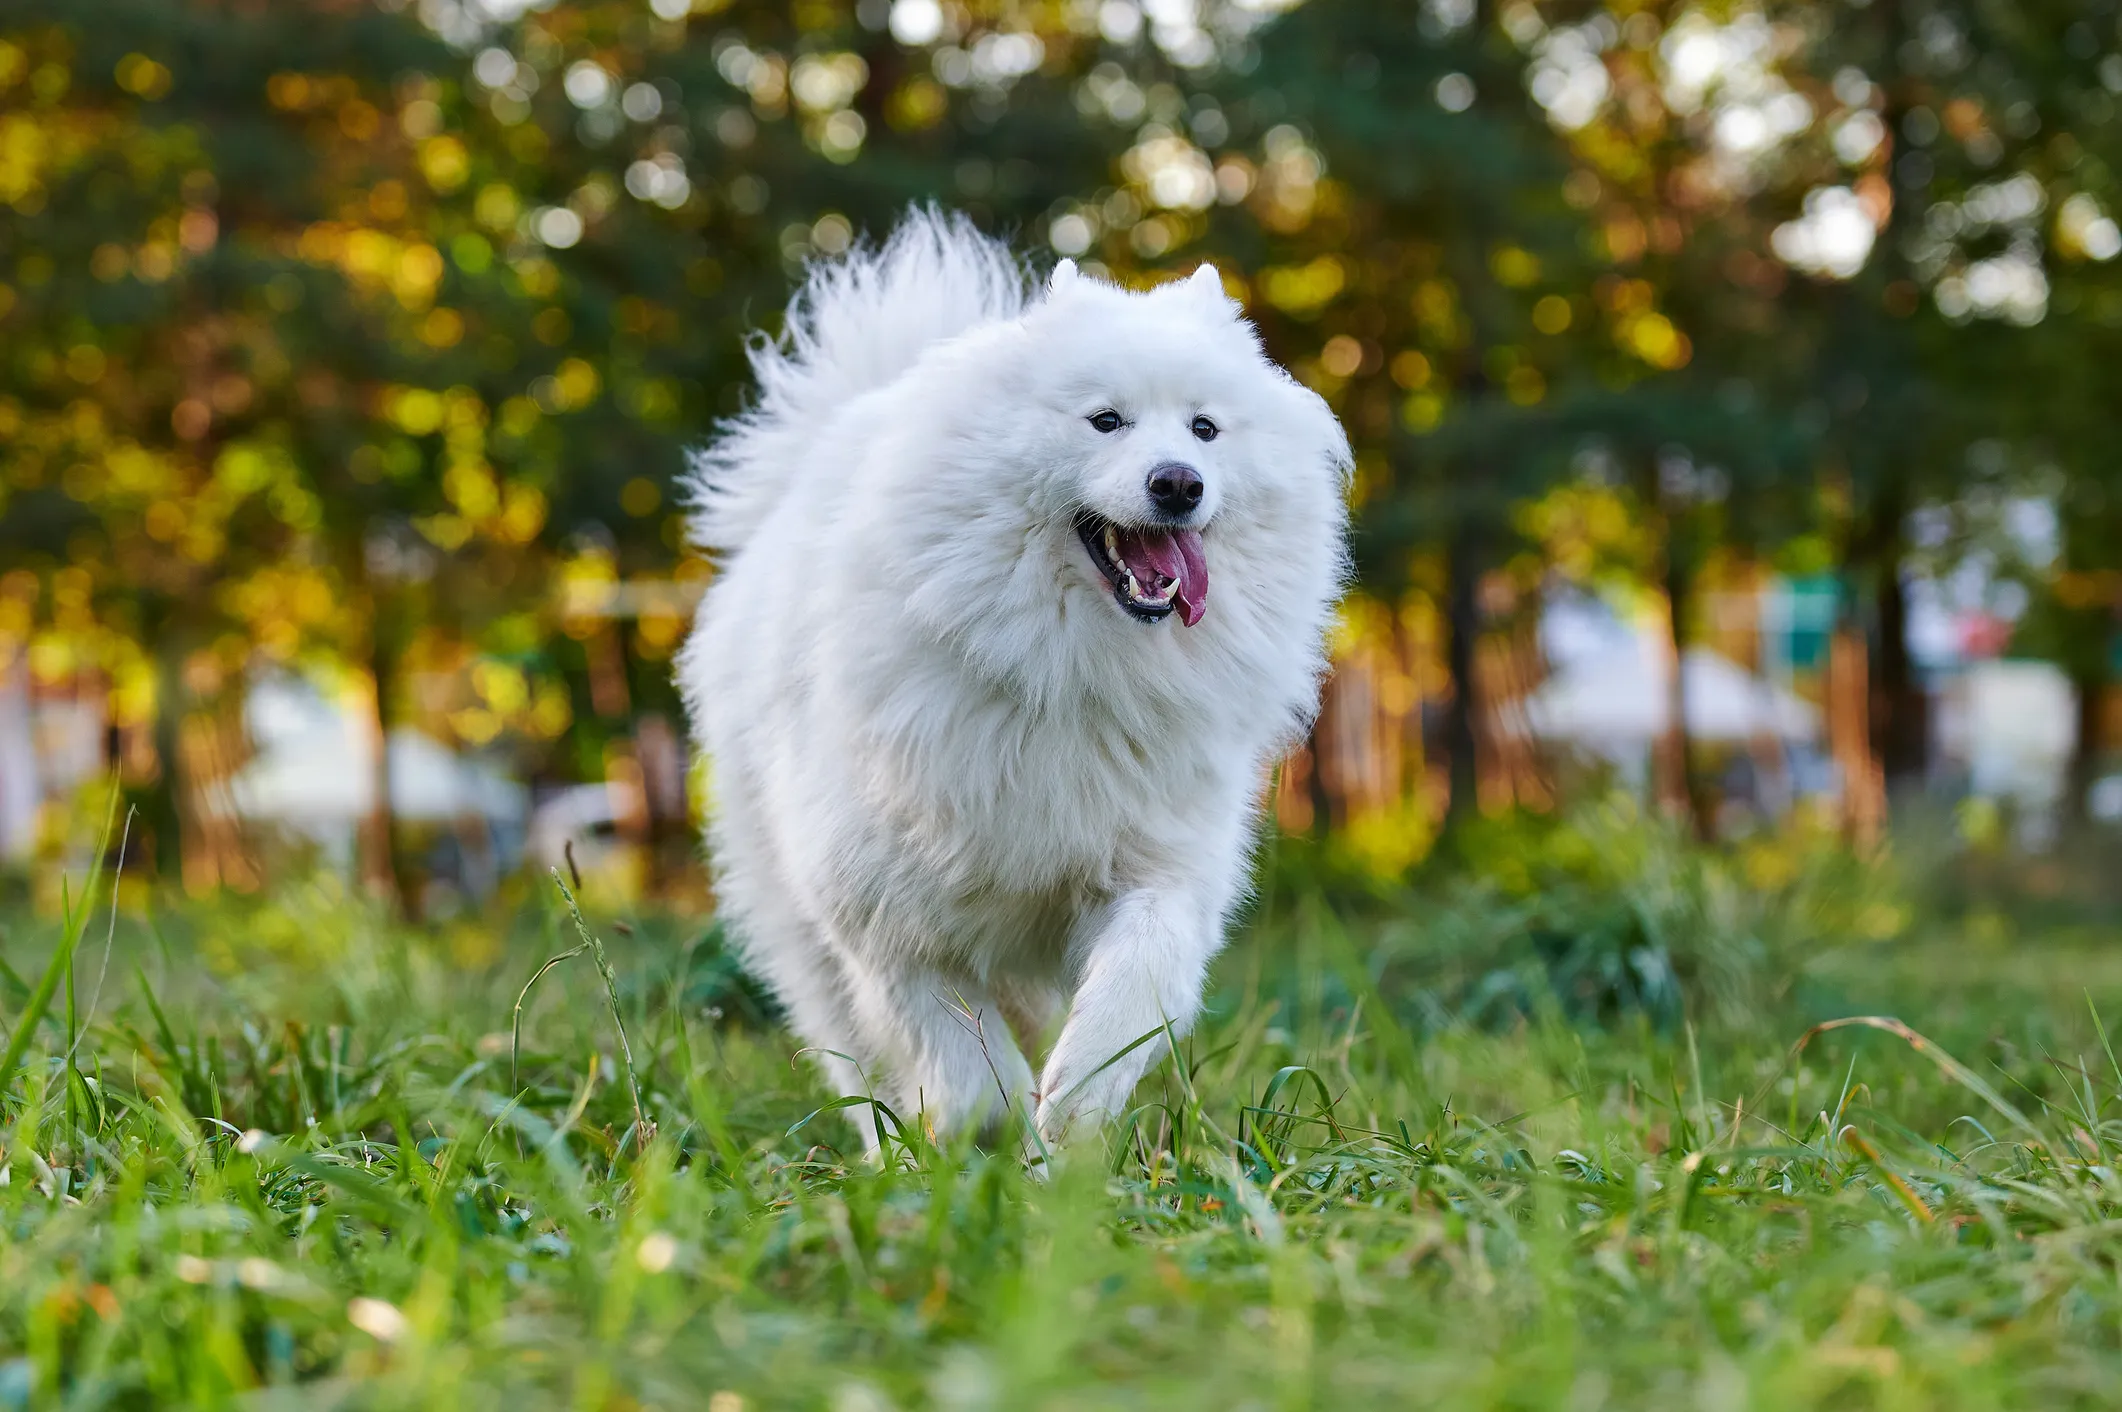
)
(415, 319)
(143, 77)
(1304, 290)
(444, 162)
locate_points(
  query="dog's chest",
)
(1003, 821)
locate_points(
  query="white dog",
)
(982, 737)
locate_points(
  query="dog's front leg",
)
(1140, 973)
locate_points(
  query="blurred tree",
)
(1912, 210)
(1400, 204)
(1506, 291)
(174, 435)
(338, 336)
(1818, 197)
(365, 340)
(1958, 364)
(2041, 109)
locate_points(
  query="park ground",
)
(1564, 1123)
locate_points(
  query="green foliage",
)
(328, 349)
(367, 340)
(1601, 915)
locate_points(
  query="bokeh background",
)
(1732, 389)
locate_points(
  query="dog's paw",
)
(1049, 1128)
(1075, 1111)
(1060, 1124)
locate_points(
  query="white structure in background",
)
(1622, 704)
(2005, 728)
(1610, 695)
(2001, 729)
(2014, 725)
(315, 776)
(589, 817)
(49, 747)
(20, 796)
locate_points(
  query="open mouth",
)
(1152, 571)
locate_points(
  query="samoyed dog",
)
(1021, 592)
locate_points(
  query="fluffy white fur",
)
(954, 783)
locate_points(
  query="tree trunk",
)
(1462, 620)
(383, 866)
(2091, 744)
(1315, 786)
(1679, 745)
(395, 870)
(1900, 728)
(161, 803)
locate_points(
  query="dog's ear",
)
(1321, 431)
(1065, 276)
(1206, 284)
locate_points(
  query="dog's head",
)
(1167, 447)
(1116, 493)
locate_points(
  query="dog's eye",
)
(1205, 430)
(1107, 421)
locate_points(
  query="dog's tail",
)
(857, 323)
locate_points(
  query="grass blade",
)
(60, 967)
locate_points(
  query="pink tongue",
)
(1156, 554)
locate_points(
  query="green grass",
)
(1437, 1147)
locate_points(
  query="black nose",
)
(1175, 489)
